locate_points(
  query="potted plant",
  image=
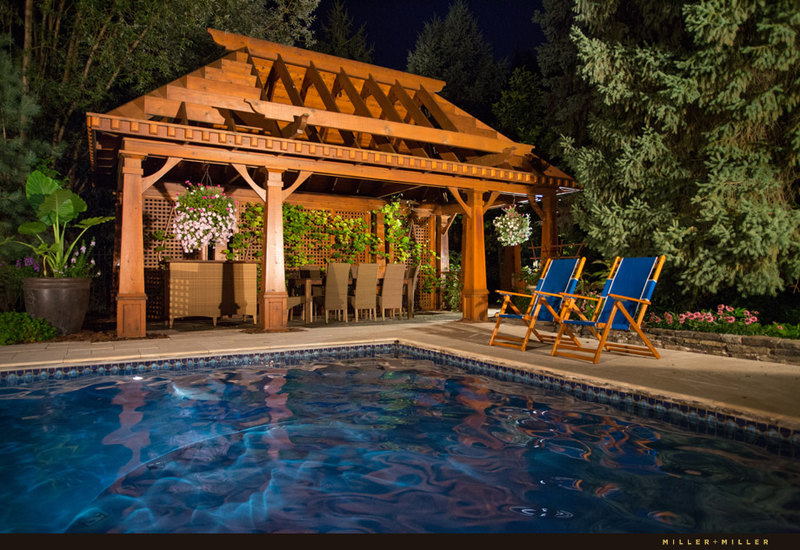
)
(61, 293)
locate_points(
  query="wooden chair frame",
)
(536, 301)
(601, 330)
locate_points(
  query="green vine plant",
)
(248, 235)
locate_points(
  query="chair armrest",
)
(568, 295)
(553, 294)
(506, 292)
(618, 297)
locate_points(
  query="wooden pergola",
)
(291, 124)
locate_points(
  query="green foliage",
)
(726, 319)
(289, 21)
(300, 226)
(566, 95)
(337, 38)
(11, 276)
(694, 139)
(19, 327)
(55, 208)
(351, 237)
(249, 231)
(453, 49)
(451, 287)
(521, 113)
(94, 55)
(19, 152)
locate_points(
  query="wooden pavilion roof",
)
(360, 129)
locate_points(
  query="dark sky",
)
(393, 25)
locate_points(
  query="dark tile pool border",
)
(779, 439)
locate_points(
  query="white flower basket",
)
(203, 215)
(512, 227)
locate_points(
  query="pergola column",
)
(272, 294)
(131, 298)
(549, 224)
(475, 296)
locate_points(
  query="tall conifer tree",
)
(453, 49)
(336, 36)
(695, 138)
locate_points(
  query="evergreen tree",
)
(566, 96)
(453, 49)
(336, 36)
(695, 138)
(521, 113)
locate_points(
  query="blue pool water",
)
(379, 445)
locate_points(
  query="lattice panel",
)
(422, 235)
(157, 216)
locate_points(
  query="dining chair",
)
(337, 276)
(364, 296)
(412, 274)
(391, 297)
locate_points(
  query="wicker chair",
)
(364, 297)
(337, 277)
(412, 274)
(391, 297)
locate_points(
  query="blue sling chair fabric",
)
(558, 276)
(620, 306)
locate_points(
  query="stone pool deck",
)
(762, 391)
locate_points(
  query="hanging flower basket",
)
(204, 214)
(512, 227)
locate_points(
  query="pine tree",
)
(521, 111)
(336, 36)
(695, 138)
(453, 49)
(566, 96)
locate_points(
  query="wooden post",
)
(549, 224)
(443, 251)
(131, 298)
(272, 294)
(475, 296)
(510, 267)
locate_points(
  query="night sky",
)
(393, 25)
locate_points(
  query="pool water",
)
(375, 445)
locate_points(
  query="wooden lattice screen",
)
(423, 235)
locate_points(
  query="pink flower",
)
(728, 308)
(730, 319)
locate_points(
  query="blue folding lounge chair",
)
(620, 306)
(558, 276)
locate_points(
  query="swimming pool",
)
(372, 439)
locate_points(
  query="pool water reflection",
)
(380, 445)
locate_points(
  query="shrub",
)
(726, 319)
(19, 327)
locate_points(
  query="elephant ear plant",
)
(55, 208)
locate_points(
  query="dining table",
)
(308, 283)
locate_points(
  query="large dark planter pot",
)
(63, 302)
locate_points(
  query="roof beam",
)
(343, 81)
(372, 88)
(398, 93)
(353, 123)
(313, 78)
(327, 63)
